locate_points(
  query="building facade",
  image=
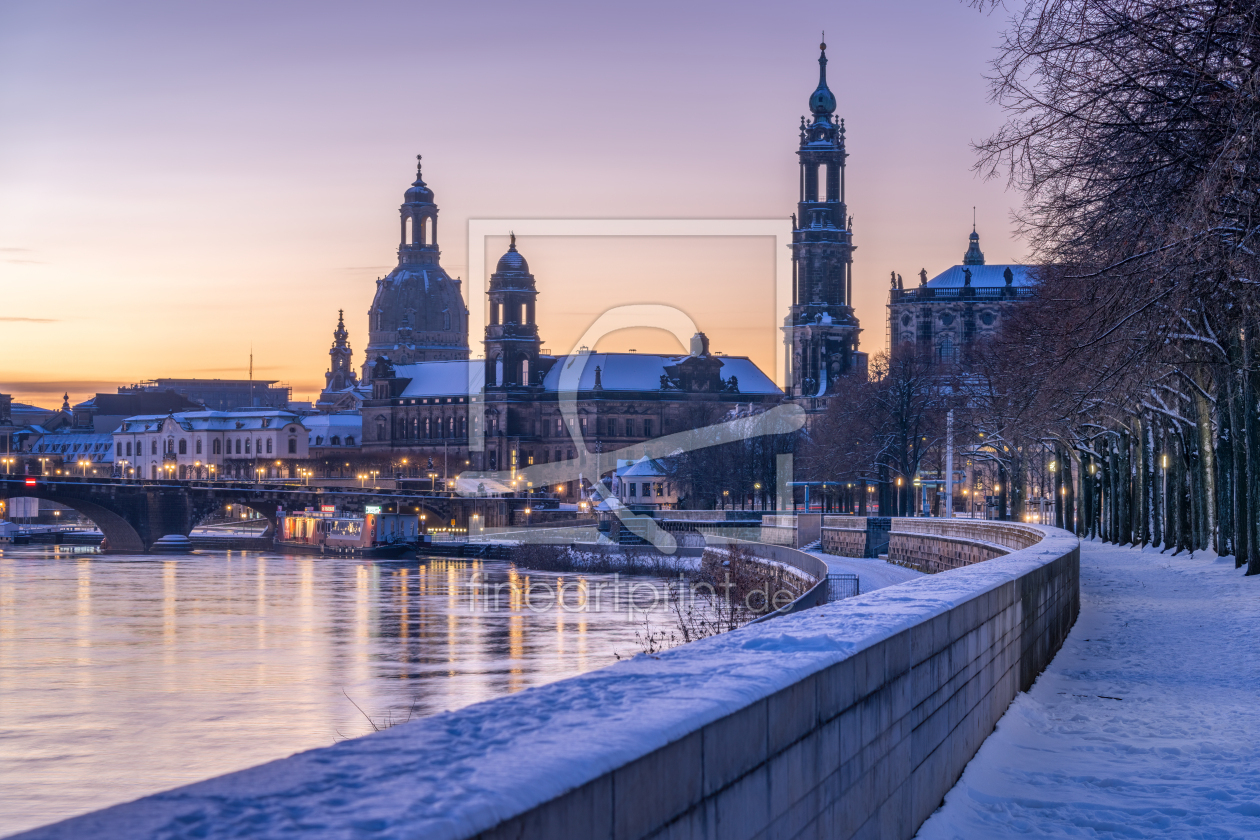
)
(241, 445)
(943, 318)
(222, 394)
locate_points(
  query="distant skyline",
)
(178, 183)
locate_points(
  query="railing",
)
(961, 293)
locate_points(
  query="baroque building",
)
(506, 412)
(944, 317)
(418, 313)
(821, 331)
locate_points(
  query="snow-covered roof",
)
(643, 372)
(981, 276)
(73, 446)
(442, 379)
(334, 429)
(212, 421)
(644, 467)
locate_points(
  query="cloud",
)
(15, 250)
(9, 319)
(26, 262)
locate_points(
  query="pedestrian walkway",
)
(1144, 725)
(872, 573)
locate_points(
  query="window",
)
(349, 440)
(647, 428)
(446, 319)
(987, 319)
(632, 486)
(660, 489)
(647, 489)
(155, 452)
(292, 446)
(629, 428)
(558, 455)
(183, 447)
(216, 447)
(238, 446)
(335, 440)
(198, 446)
(128, 447)
(268, 446)
(248, 441)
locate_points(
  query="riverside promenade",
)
(1145, 723)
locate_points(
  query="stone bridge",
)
(134, 514)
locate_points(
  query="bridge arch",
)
(119, 535)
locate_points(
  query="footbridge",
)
(134, 514)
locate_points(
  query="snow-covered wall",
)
(853, 718)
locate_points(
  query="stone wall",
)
(851, 719)
(937, 545)
(845, 542)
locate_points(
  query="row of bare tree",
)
(1133, 132)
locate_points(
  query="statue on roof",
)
(922, 276)
(1008, 276)
(966, 276)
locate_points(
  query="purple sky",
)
(178, 183)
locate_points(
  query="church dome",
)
(512, 260)
(822, 101)
(419, 193)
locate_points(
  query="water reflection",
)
(121, 676)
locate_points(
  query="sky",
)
(182, 183)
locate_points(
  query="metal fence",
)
(841, 585)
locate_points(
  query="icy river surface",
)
(122, 676)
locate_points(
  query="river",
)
(121, 676)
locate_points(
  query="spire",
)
(822, 103)
(340, 334)
(974, 256)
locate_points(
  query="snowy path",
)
(872, 573)
(1146, 724)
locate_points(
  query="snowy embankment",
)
(852, 717)
(1144, 725)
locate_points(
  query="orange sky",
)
(179, 184)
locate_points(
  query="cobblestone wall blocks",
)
(837, 688)
(669, 778)
(734, 745)
(791, 713)
(743, 809)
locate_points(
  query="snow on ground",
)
(872, 573)
(1147, 722)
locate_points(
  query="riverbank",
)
(1144, 725)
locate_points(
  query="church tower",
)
(512, 343)
(340, 375)
(418, 313)
(820, 331)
